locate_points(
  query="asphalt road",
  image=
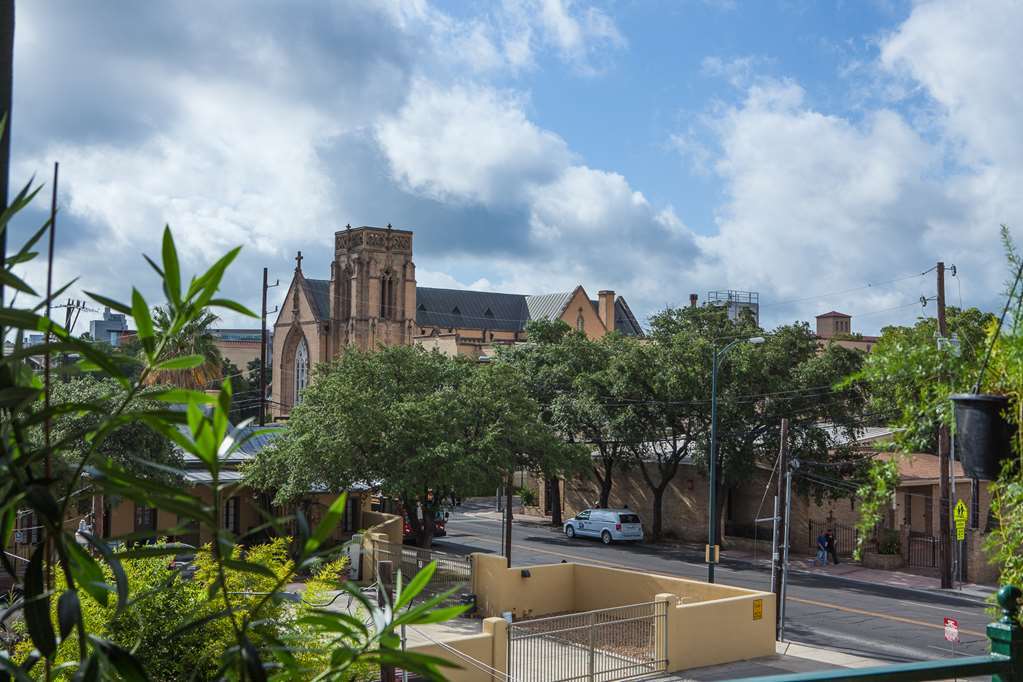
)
(877, 621)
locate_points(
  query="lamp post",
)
(712, 526)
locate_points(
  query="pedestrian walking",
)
(822, 550)
(831, 550)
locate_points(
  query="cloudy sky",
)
(804, 150)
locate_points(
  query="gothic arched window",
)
(387, 301)
(346, 293)
(301, 369)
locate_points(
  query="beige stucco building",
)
(372, 300)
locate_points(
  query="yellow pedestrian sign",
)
(961, 514)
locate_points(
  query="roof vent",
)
(422, 308)
(489, 313)
(456, 311)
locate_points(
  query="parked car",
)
(440, 521)
(607, 524)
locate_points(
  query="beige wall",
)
(489, 649)
(706, 623)
(289, 328)
(580, 304)
(240, 353)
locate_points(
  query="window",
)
(145, 518)
(231, 514)
(628, 518)
(583, 515)
(580, 323)
(346, 293)
(387, 297)
(301, 369)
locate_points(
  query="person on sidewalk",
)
(822, 550)
(832, 552)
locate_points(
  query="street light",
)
(712, 529)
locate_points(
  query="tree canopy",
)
(909, 378)
(416, 424)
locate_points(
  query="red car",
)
(439, 525)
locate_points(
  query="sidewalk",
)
(846, 570)
(791, 657)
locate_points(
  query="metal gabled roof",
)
(625, 322)
(548, 306)
(455, 308)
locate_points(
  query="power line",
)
(869, 285)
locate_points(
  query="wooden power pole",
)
(944, 505)
(779, 527)
(262, 352)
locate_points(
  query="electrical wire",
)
(869, 285)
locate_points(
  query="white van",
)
(607, 524)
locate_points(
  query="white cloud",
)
(468, 143)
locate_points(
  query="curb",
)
(971, 598)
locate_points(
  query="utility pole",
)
(508, 520)
(385, 579)
(6, 89)
(780, 539)
(262, 352)
(794, 464)
(944, 506)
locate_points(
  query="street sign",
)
(951, 630)
(758, 609)
(961, 515)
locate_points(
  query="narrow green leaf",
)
(8, 278)
(120, 578)
(88, 672)
(326, 525)
(109, 302)
(68, 612)
(180, 362)
(409, 592)
(141, 315)
(231, 305)
(126, 665)
(87, 572)
(37, 605)
(171, 269)
(9, 669)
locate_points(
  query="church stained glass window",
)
(301, 369)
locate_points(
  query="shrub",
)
(528, 496)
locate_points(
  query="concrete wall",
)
(475, 655)
(706, 624)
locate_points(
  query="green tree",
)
(132, 445)
(668, 382)
(569, 376)
(417, 424)
(909, 378)
(190, 339)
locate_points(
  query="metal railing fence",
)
(454, 571)
(597, 646)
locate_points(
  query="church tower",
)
(372, 288)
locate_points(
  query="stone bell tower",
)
(372, 287)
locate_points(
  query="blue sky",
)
(799, 149)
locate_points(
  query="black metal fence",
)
(925, 551)
(845, 536)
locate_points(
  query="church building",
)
(372, 300)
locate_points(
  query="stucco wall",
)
(706, 623)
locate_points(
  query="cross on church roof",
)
(298, 261)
